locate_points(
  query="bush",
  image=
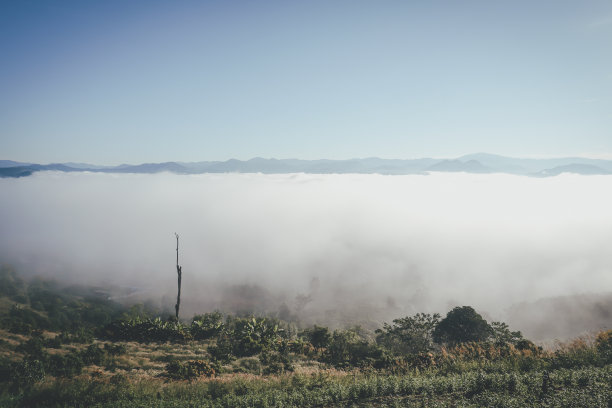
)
(318, 336)
(250, 336)
(603, 343)
(206, 326)
(249, 365)
(26, 373)
(145, 330)
(275, 362)
(115, 349)
(22, 320)
(346, 349)
(65, 366)
(79, 336)
(189, 370)
(93, 355)
(222, 350)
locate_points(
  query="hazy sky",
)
(114, 81)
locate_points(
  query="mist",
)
(330, 249)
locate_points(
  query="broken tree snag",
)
(179, 273)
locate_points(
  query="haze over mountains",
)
(472, 163)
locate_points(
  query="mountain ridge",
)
(477, 163)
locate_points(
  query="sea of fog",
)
(331, 249)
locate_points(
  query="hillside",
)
(475, 163)
(68, 346)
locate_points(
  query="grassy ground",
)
(560, 388)
(137, 378)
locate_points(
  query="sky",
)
(150, 81)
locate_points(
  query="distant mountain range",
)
(473, 163)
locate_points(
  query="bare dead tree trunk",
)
(179, 273)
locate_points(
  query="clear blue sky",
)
(109, 82)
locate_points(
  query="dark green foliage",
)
(246, 337)
(34, 347)
(67, 365)
(5, 370)
(347, 349)
(318, 336)
(26, 373)
(93, 354)
(276, 362)
(502, 335)
(23, 320)
(115, 349)
(45, 296)
(409, 335)
(462, 325)
(222, 350)
(52, 308)
(79, 336)
(145, 330)
(525, 344)
(188, 370)
(604, 346)
(207, 325)
(249, 365)
(251, 335)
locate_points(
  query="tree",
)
(179, 272)
(502, 334)
(318, 336)
(347, 349)
(409, 335)
(461, 325)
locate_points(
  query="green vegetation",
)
(110, 356)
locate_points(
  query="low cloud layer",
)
(325, 248)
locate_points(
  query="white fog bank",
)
(331, 248)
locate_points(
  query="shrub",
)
(189, 370)
(33, 348)
(65, 366)
(346, 349)
(603, 343)
(318, 336)
(26, 373)
(222, 350)
(145, 330)
(275, 362)
(22, 320)
(249, 336)
(206, 326)
(80, 336)
(115, 349)
(249, 365)
(93, 355)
